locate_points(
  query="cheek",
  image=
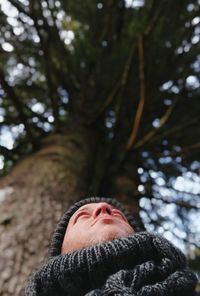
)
(76, 238)
(129, 228)
(76, 232)
(124, 228)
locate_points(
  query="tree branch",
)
(154, 131)
(140, 108)
(121, 82)
(108, 20)
(183, 151)
(175, 129)
(155, 18)
(53, 71)
(187, 149)
(19, 107)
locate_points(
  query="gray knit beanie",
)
(58, 236)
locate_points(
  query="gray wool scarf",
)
(143, 264)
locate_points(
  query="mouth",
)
(104, 218)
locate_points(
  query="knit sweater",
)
(142, 264)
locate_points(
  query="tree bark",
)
(122, 184)
(34, 196)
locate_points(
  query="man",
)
(98, 249)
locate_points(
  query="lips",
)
(105, 218)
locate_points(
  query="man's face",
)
(92, 224)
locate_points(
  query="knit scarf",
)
(143, 264)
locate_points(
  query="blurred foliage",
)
(131, 69)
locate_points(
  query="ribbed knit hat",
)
(58, 236)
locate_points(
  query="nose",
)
(102, 208)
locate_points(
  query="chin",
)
(107, 236)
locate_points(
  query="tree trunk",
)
(122, 184)
(33, 197)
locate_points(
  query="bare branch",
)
(155, 19)
(184, 150)
(121, 82)
(176, 129)
(140, 108)
(154, 131)
(108, 20)
(187, 149)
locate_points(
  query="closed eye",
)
(80, 214)
(119, 213)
